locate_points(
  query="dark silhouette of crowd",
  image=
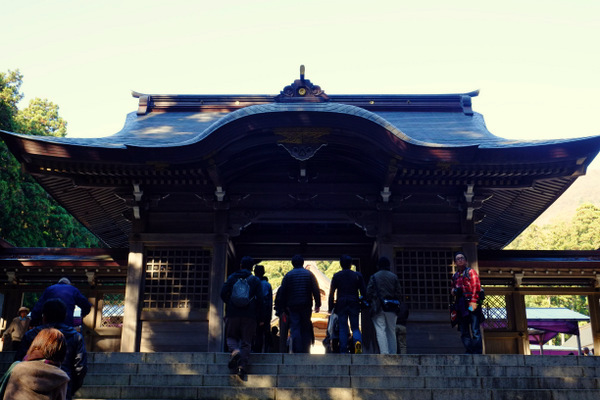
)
(50, 357)
(249, 299)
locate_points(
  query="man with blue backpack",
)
(242, 293)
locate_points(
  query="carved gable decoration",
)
(302, 142)
(302, 90)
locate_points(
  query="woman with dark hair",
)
(39, 376)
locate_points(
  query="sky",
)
(536, 63)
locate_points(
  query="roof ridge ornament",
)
(302, 90)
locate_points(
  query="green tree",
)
(10, 95)
(275, 270)
(329, 268)
(29, 217)
(586, 227)
(581, 233)
(575, 303)
(41, 118)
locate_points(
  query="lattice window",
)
(113, 307)
(177, 278)
(494, 310)
(425, 275)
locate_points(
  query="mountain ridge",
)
(586, 189)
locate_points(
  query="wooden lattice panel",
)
(113, 307)
(496, 315)
(177, 278)
(425, 275)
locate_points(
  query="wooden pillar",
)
(385, 245)
(134, 290)
(10, 308)
(90, 320)
(520, 322)
(470, 250)
(594, 307)
(12, 303)
(217, 277)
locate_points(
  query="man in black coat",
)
(349, 286)
(54, 313)
(295, 299)
(241, 320)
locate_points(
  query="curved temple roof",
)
(397, 144)
(427, 120)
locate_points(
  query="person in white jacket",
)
(384, 284)
(13, 335)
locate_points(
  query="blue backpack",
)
(240, 293)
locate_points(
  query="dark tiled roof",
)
(427, 128)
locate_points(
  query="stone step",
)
(310, 369)
(372, 382)
(212, 392)
(333, 359)
(163, 376)
(337, 359)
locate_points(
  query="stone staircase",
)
(340, 377)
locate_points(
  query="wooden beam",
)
(177, 239)
(432, 240)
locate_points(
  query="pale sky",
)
(537, 63)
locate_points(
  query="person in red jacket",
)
(466, 287)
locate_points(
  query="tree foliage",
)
(30, 217)
(10, 95)
(575, 303)
(41, 118)
(275, 270)
(581, 233)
